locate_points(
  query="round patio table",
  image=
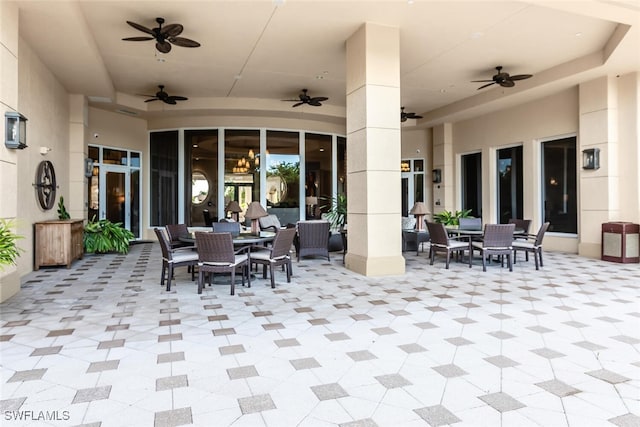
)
(243, 239)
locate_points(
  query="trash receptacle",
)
(621, 242)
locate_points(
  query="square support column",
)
(373, 143)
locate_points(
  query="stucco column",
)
(9, 277)
(609, 122)
(78, 131)
(373, 144)
(443, 192)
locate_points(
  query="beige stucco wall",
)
(45, 103)
(526, 125)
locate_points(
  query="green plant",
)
(450, 217)
(9, 251)
(337, 213)
(105, 236)
(62, 211)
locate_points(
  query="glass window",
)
(114, 157)
(342, 165)
(318, 180)
(164, 178)
(283, 175)
(201, 169)
(241, 168)
(472, 183)
(418, 165)
(94, 153)
(510, 197)
(134, 159)
(559, 185)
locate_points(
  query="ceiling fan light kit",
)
(164, 36)
(502, 79)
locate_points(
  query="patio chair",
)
(442, 242)
(532, 244)
(216, 255)
(497, 240)
(227, 227)
(521, 224)
(313, 238)
(269, 223)
(470, 223)
(174, 231)
(278, 254)
(174, 257)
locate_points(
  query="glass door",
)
(120, 196)
(472, 183)
(509, 184)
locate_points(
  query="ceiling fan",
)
(306, 99)
(404, 116)
(502, 79)
(164, 36)
(163, 96)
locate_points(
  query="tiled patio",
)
(102, 344)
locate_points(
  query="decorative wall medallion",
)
(46, 184)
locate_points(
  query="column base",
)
(375, 266)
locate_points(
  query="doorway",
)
(510, 198)
(472, 183)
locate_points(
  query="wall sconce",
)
(436, 176)
(591, 158)
(16, 130)
(88, 167)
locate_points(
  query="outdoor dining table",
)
(243, 239)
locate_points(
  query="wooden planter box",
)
(58, 242)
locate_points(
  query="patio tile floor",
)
(102, 344)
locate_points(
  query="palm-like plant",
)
(105, 236)
(9, 251)
(450, 217)
(337, 213)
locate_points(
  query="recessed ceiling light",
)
(195, 145)
(578, 34)
(322, 149)
(476, 35)
(443, 90)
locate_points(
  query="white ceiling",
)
(256, 53)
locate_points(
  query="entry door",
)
(120, 196)
(407, 193)
(510, 199)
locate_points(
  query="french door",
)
(120, 196)
(510, 198)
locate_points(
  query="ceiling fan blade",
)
(507, 83)
(480, 81)
(177, 98)
(413, 116)
(521, 76)
(172, 30)
(403, 118)
(297, 104)
(152, 99)
(137, 39)
(290, 100)
(315, 103)
(181, 41)
(318, 99)
(140, 28)
(168, 100)
(163, 47)
(488, 84)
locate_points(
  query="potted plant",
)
(450, 218)
(105, 236)
(9, 251)
(62, 210)
(337, 213)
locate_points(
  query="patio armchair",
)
(269, 223)
(174, 257)
(216, 255)
(227, 227)
(313, 238)
(174, 231)
(497, 240)
(442, 242)
(533, 244)
(521, 224)
(278, 254)
(470, 223)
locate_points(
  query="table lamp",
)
(419, 210)
(255, 211)
(235, 210)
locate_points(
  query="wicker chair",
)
(521, 224)
(313, 238)
(216, 255)
(442, 242)
(174, 231)
(227, 227)
(497, 240)
(470, 223)
(174, 257)
(269, 223)
(278, 254)
(532, 244)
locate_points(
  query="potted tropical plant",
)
(9, 251)
(105, 236)
(451, 218)
(337, 210)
